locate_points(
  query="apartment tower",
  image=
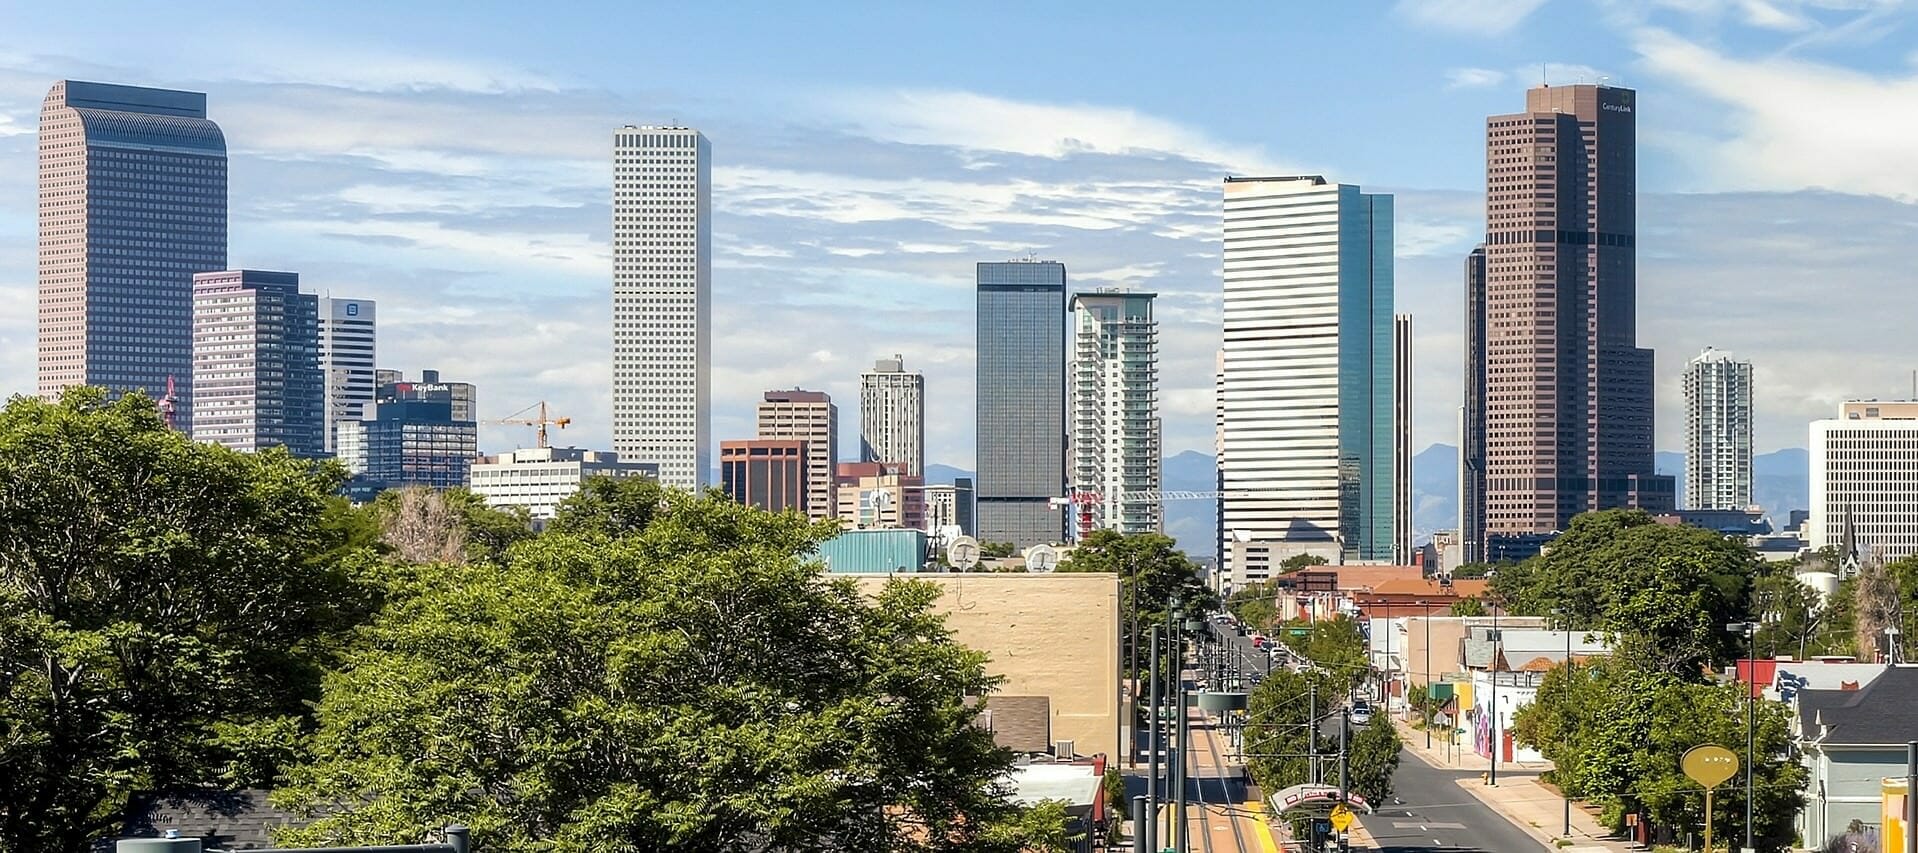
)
(892, 415)
(132, 204)
(348, 355)
(1306, 431)
(1718, 432)
(662, 301)
(1021, 406)
(811, 417)
(1566, 405)
(1115, 411)
(256, 363)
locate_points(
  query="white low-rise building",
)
(538, 478)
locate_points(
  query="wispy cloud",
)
(1473, 78)
(1481, 17)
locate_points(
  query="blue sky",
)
(450, 160)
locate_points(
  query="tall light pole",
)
(1565, 625)
(1750, 630)
(1491, 777)
(1428, 673)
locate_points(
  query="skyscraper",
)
(1863, 465)
(662, 301)
(256, 363)
(409, 437)
(811, 417)
(1718, 432)
(1402, 439)
(1021, 406)
(462, 398)
(892, 415)
(1306, 392)
(348, 351)
(1115, 409)
(1471, 452)
(1566, 406)
(765, 473)
(132, 204)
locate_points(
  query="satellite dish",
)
(963, 553)
(1042, 558)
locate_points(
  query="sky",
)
(452, 162)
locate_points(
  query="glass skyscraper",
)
(1307, 429)
(1021, 407)
(132, 204)
(256, 363)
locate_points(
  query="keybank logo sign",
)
(1617, 108)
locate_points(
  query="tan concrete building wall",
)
(1053, 635)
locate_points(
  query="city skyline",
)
(392, 218)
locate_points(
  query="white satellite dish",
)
(1042, 558)
(963, 553)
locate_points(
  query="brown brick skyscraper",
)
(1566, 404)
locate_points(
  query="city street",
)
(1429, 811)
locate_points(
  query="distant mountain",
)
(1781, 480)
(943, 475)
(1434, 491)
(1194, 523)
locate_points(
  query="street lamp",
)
(1491, 776)
(1565, 625)
(1428, 672)
(1750, 630)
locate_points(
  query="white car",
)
(1362, 714)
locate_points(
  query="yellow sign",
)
(1709, 765)
(1341, 817)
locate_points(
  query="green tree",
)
(1335, 645)
(1473, 571)
(609, 506)
(1619, 571)
(1279, 736)
(164, 610)
(1256, 605)
(697, 685)
(1299, 561)
(1374, 759)
(1469, 607)
(997, 550)
(1152, 572)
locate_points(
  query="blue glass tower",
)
(132, 204)
(1021, 407)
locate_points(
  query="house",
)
(1851, 739)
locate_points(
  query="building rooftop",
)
(1877, 713)
(798, 395)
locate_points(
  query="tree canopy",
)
(164, 609)
(609, 506)
(694, 683)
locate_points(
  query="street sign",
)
(1298, 632)
(1709, 766)
(1341, 818)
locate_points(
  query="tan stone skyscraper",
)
(1566, 408)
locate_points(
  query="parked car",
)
(1258, 641)
(1361, 714)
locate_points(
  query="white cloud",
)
(1795, 123)
(392, 71)
(1766, 15)
(977, 122)
(1480, 17)
(1473, 78)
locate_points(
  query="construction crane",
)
(540, 421)
(1087, 500)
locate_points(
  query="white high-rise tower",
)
(1115, 409)
(1718, 432)
(892, 415)
(348, 352)
(662, 300)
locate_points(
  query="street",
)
(1429, 811)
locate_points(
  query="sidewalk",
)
(1519, 795)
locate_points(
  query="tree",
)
(164, 610)
(1299, 561)
(696, 685)
(1374, 759)
(1256, 605)
(1675, 587)
(1336, 645)
(609, 506)
(1279, 715)
(997, 550)
(1473, 571)
(424, 525)
(1469, 607)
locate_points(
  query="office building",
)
(348, 349)
(662, 300)
(462, 398)
(256, 363)
(942, 507)
(875, 495)
(769, 474)
(1566, 399)
(965, 505)
(1718, 432)
(811, 417)
(1021, 405)
(539, 478)
(411, 438)
(132, 204)
(384, 377)
(1402, 439)
(1471, 454)
(1864, 479)
(1115, 412)
(892, 415)
(1306, 393)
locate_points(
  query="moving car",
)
(1361, 714)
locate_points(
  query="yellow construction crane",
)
(540, 421)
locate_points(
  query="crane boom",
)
(540, 421)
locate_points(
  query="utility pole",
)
(1132, 646)
(1428, 674)
(1911, 800)
(1312, 728)
(1345, 780)
(1152, 752)
(1498, 739)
